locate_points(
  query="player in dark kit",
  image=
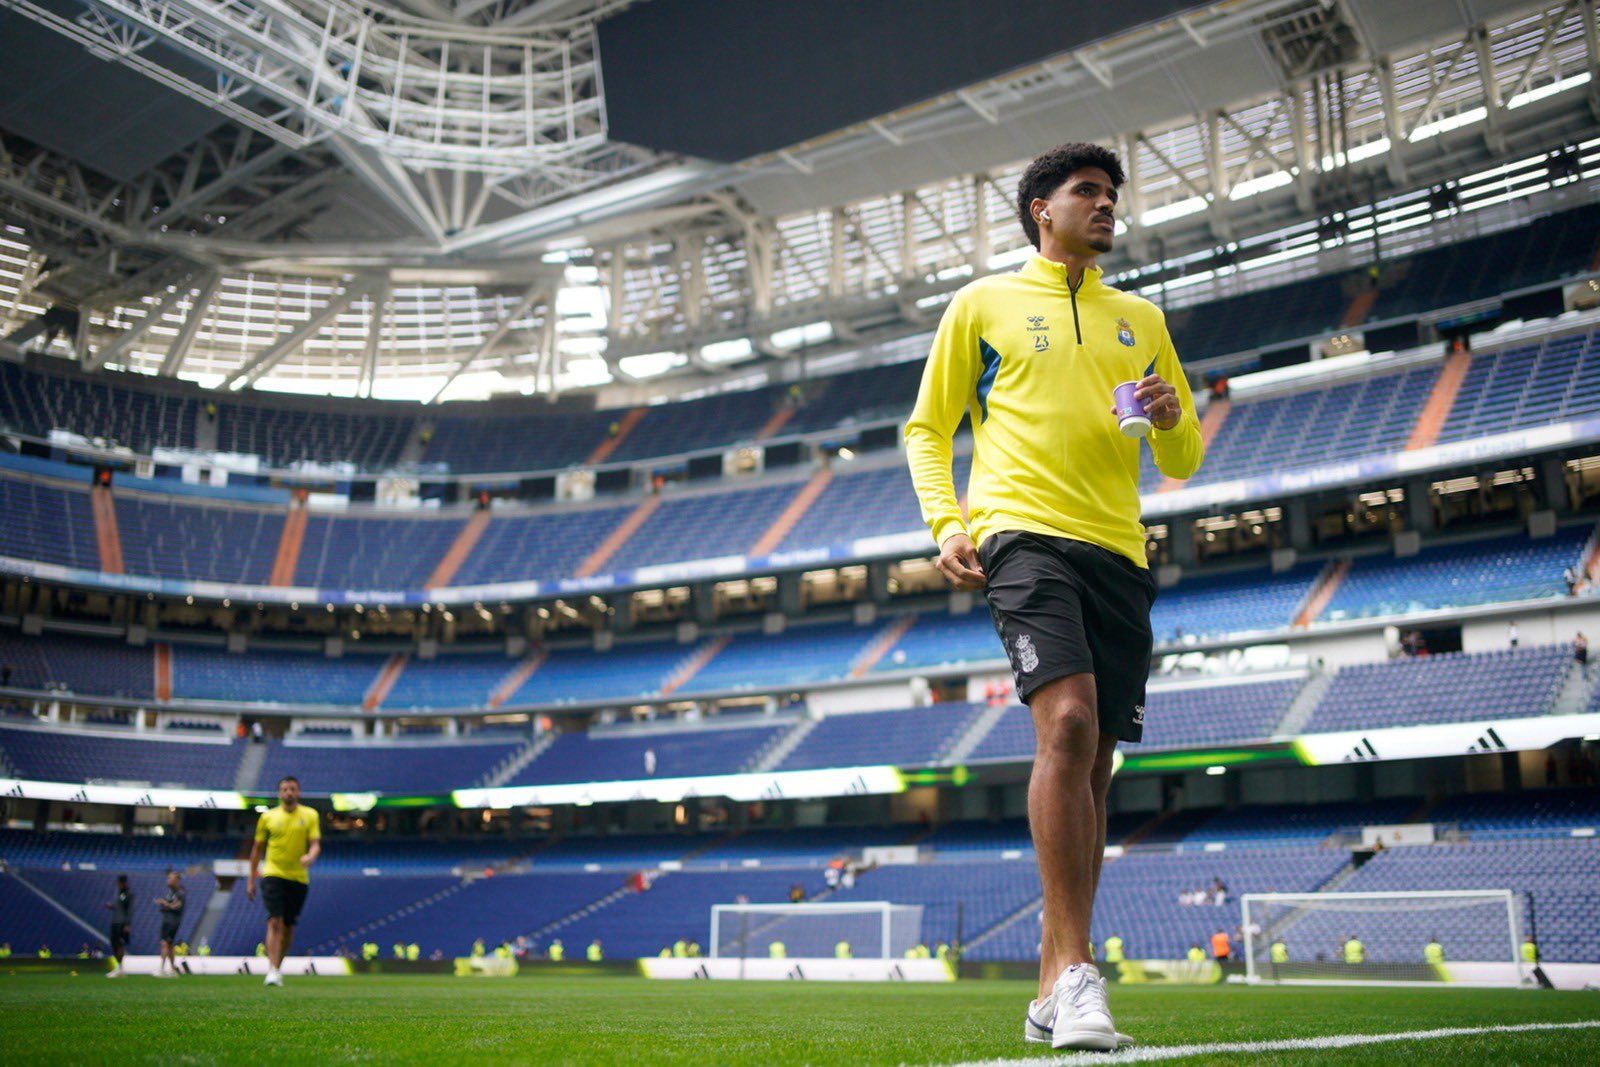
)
(171, 906)
(121, 908)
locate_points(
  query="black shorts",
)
(1069, 607)
(119, 937)
(169, 930)
(284, 899)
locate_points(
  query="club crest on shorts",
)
(1125, 332)
(1138, 715)
(1027, 655)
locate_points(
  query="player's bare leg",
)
(1063, 819)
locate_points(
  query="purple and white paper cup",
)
(1131, 417)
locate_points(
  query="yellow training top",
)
(1036, 363)
(288, 835)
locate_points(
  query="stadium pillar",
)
(703, 602)
(1553, 484)
(878, 581)
(1180, 536)
(789, 593)
(1299, 517)
(1419, 506)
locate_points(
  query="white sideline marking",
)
(1153, 1053)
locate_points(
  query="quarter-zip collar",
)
(1053, 273)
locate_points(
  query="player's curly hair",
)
(1046, 174)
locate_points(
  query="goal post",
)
(1466, 936)
(873, 929)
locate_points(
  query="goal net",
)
(872, 929)
(1462, 936)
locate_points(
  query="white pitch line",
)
(1153, 1053)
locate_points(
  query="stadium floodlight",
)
(1457, 937)
(874, 929)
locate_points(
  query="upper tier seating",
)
(101, 407)
(395, 767)
(49, 523)
(1454, 687)
(1532, 384)
(543, 547)
(286, 436)
(703, 527)
(1446, 576)
(164, 537)
(1535, 813)
(271, 676)
(81, 756)
(368, 553)
(604, 757)
(101, 666)
(910, 737)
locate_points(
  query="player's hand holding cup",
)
(1148, 402)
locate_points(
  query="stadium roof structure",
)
(440, 198)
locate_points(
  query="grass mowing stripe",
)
(1155, 1053)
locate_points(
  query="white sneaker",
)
(115, 972)
(1039, 1033)
(1082, 1017)
(273, 978)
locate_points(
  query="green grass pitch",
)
(608, 1020)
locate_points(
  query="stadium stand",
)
(1479, 572)
(600, 756)
(799, 655)
(47, 522)
(373, 553)
(286, 436)
(390, 767)
(1207, 606)
(1535, 813)
(1455, 687)
(703, 527)
(162, 537)
(103, 408)
(910, 738)
(78, 664)
(272, 676)
(1265, 317)
(101, 756)
(540, 547)
(1528, 385)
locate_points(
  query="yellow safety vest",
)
(1114, 949)
(1433, 952)
(1530, 952)
(1354, 951)
(1196, 954)
(1280, 952)
(557, 953)
(594, 953)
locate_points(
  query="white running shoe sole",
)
(1035, 1034)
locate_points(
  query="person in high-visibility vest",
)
(398, 951)
(1433, 952)
(911, 953)
(680, 949)
(778, 950)
(5, 950)
(694, 950)
(369, 950)
(1354, 950)
(44, 952)
(502, 951)
(1114, 949)
(1196, 954)
(413, 951)
(941, 951)
(841, 950)
(1280, 952)
(558, 951)
(594, 953)
(665, 953)
(261, 948)
(1221, 947)
(477, 949)
(205, 947)
(922, 952)
(1530, 950)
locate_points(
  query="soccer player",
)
(121, 908)
(1054, 537)
(290, 836)
(171, 907)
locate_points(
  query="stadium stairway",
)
(287, 557)
(162, 660)
(1439, 403)
(694, 664)
(976, 732)
(780, 418)
(1304, 703)
(251, 761)
(106, 535)
(617, 537)
(784, 745)
(879, 647)
(459, 550)
(362, 932)
(793, 513)
(553, 927)
(383, 684)
(1215, 415)
(1032, 907)
(519, 675)
(1576, 692)
(216, 905)
(518, 760)
(1322, 591)
(625, 426)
